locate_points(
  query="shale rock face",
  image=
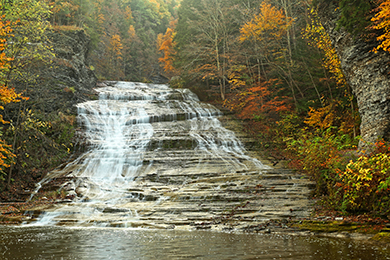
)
(69, 79)
(366, 72)
(71, 48)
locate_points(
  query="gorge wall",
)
(69, 79)
(72, 73)
(367, 73)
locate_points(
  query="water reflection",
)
(90, 243)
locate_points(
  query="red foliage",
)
(252, 101)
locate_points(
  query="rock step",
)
(169, 167)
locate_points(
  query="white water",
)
(122, 129)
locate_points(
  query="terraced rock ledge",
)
(159, 158)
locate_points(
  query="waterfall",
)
(146, 142)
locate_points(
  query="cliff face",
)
(69, 79)
(71, 48)
(367, 73)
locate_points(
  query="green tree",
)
(28, 46)
(354, 15)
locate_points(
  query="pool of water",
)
(114, 243)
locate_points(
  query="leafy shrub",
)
(319, 155)
(365, 183)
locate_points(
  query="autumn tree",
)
(267, 32)
(115, 50)
(63, 11)
(382, 22)
(266, 29)
(30, 43)
(251, 101)
(27, 46)
(317, 36)
(166, 45)
(102, 19)
(7, 95)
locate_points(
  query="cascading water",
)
(157, 157)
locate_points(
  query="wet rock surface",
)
(159, 158)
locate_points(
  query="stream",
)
(164, 178)
(114, 243)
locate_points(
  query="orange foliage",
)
(382, 22)
(333, 115)
(7, 95)
(322, 118)
(5, 31)
(166, 45)
(116, 46)
(252, 101)
(269, 23)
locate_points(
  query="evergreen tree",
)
(354, 15)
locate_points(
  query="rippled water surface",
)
(92, 243)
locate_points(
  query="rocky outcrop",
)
(69, 79)
(367, 73)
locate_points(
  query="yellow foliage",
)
(101, 18)
(270, 22)
(128, 13)
(116, 46)
(7, 95)
(316, 33)
(235, 76)
(131, 32)
(58, 6)
(333, 115)
(382, 22)
(5, 32)
(365, 183)
(167, 46)
(322, 118)
(157, 4)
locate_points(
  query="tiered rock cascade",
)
(159, 158)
